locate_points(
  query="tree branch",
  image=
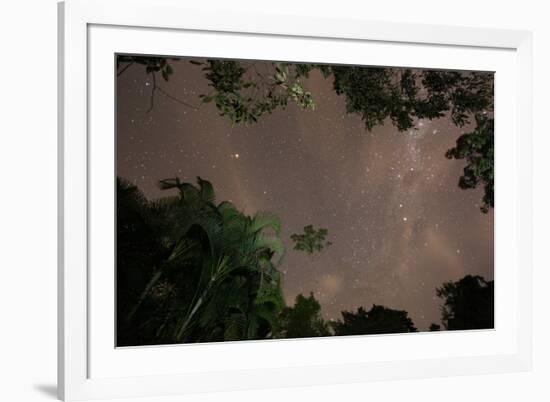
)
(152, 102)
(124, 68)
(177, 99)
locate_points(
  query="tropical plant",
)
(215, 274)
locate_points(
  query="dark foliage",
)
(477, 148)
(189, 270)
(151, 64)
(434, 327)
(244, 92)
(311, 240)
(378, 320)
(303, 320)
(469, 303)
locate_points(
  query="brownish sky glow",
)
(399, 224)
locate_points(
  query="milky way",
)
(399, 224)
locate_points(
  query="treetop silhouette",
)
(244, 91)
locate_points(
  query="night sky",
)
(399, 223)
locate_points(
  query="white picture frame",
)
(90, 367)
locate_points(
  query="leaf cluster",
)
(477, 148)
(311, 241)
(244, 93)
(152, 64)
(468, 303)
(378, 320)
(303, 320)
(191, 270)
(244, 97)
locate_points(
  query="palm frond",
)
(272, 243)
(263, 220)
(167, 184)
(206, 190)
(235, 325)
(182, 250)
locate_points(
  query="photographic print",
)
(270, 200)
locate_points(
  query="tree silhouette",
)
(469, 303)
(434, 327)
(244, 99)
(245, 91)
(303, 320)
(311, 240)
(477, 148)
(378, 320)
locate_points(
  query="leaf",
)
(206, 190)
(311, 241)
(263, 220)
(273, 244)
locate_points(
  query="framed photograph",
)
(248, 202)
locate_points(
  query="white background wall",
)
(28, 201)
